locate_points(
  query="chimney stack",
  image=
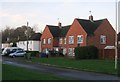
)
(60, 24)
(91, 18)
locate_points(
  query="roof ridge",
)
(51, 25)
(59, 32)
(89, 20)
(66, 26)
(89, 26)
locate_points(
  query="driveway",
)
(67, 73)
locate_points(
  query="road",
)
(67, 73)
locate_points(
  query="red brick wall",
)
(119, 51)
(56, 42)
(46, 34)
(75, 30)
(63, 45)
(109, 54)
(104, 29)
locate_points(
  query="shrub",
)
(55, 53)
(14, 44)
(86, 52)
(33, 53)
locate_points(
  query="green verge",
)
(10, 72)
(101, 66)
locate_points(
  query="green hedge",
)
(86, 52)
(33, 53)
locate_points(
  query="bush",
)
(14, 44)
(33, 53)
(86, 52)
(55, 53)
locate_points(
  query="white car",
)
(9, 50)
(17, 54)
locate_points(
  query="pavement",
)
(62, 72)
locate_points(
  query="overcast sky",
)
(119, 16)
(15, 13)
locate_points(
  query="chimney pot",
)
(91, 18)
(60, 24)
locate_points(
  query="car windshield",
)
(14, 50)
(20, 49)
(20, 52)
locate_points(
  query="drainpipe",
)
(86, 40)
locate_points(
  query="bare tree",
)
(13, 35)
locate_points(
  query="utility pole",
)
(116, 57)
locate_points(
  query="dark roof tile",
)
(64, 31)
(56, 31)
(35, 37)
(90, 26)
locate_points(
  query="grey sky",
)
(15, 13)
(119, 16)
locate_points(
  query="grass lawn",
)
(10, 72)
(102, 66)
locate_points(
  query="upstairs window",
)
(71, 39)
(80, 39)
(44, 41)
(49, 40)
(60, 40)
(102, 39)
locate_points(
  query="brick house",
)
(99, 33)
(85, 32)
(119, 45)
(53, 37)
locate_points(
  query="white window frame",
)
(60, 41)
(71, 52)
(44, 41)
(64, 51)
(64, 40)
(49, 40)
(71, 39)
(103, 39)
(80, 39)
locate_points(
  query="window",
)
(64, 51)
(14, 50)
(60, 40)
(80, 39)
(73, 52)
(44, 41)
(70, 51)
(20, 49)
(71, 40)
(103, 39)
(64, 40)
(49, 40)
